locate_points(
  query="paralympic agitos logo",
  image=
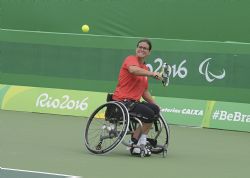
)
(204, 70)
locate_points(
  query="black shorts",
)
(146, 112)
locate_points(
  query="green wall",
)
(206, 20)
(31, 54)
(84, 62)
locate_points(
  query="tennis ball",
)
(85, 28)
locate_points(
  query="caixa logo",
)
(204, 70)
(64, 102)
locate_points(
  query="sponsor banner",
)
(182, 111)
(47, 100)
(230, 116)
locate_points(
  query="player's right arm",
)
(135, 70)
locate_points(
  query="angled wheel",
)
(106, 127)
(158, 136)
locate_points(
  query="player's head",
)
(145, 41)
(144, 47)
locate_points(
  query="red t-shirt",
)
(130, 86)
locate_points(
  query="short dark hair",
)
(146, 41)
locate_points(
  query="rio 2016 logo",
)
(45, 101)
(181, 70)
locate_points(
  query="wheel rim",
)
(104, 133)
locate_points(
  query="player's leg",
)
(149, 112)
(146, 113)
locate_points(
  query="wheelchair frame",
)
(111, 122)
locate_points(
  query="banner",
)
(207, 114)
(230, 116)
(54, 101)
(180, 111)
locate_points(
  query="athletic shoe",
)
(137, 151)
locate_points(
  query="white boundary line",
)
(61, 33)
(38, 172)
(109, 36)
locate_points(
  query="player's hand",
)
(157, 76)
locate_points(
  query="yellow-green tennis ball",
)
(85, 28)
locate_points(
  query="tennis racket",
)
(165, 72)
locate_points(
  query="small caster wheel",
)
(142, 154)
(164, 153)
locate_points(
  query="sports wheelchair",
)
(112, 123)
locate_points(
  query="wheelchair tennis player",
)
(132, 86)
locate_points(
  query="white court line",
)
(109, 36)
(38, 172)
